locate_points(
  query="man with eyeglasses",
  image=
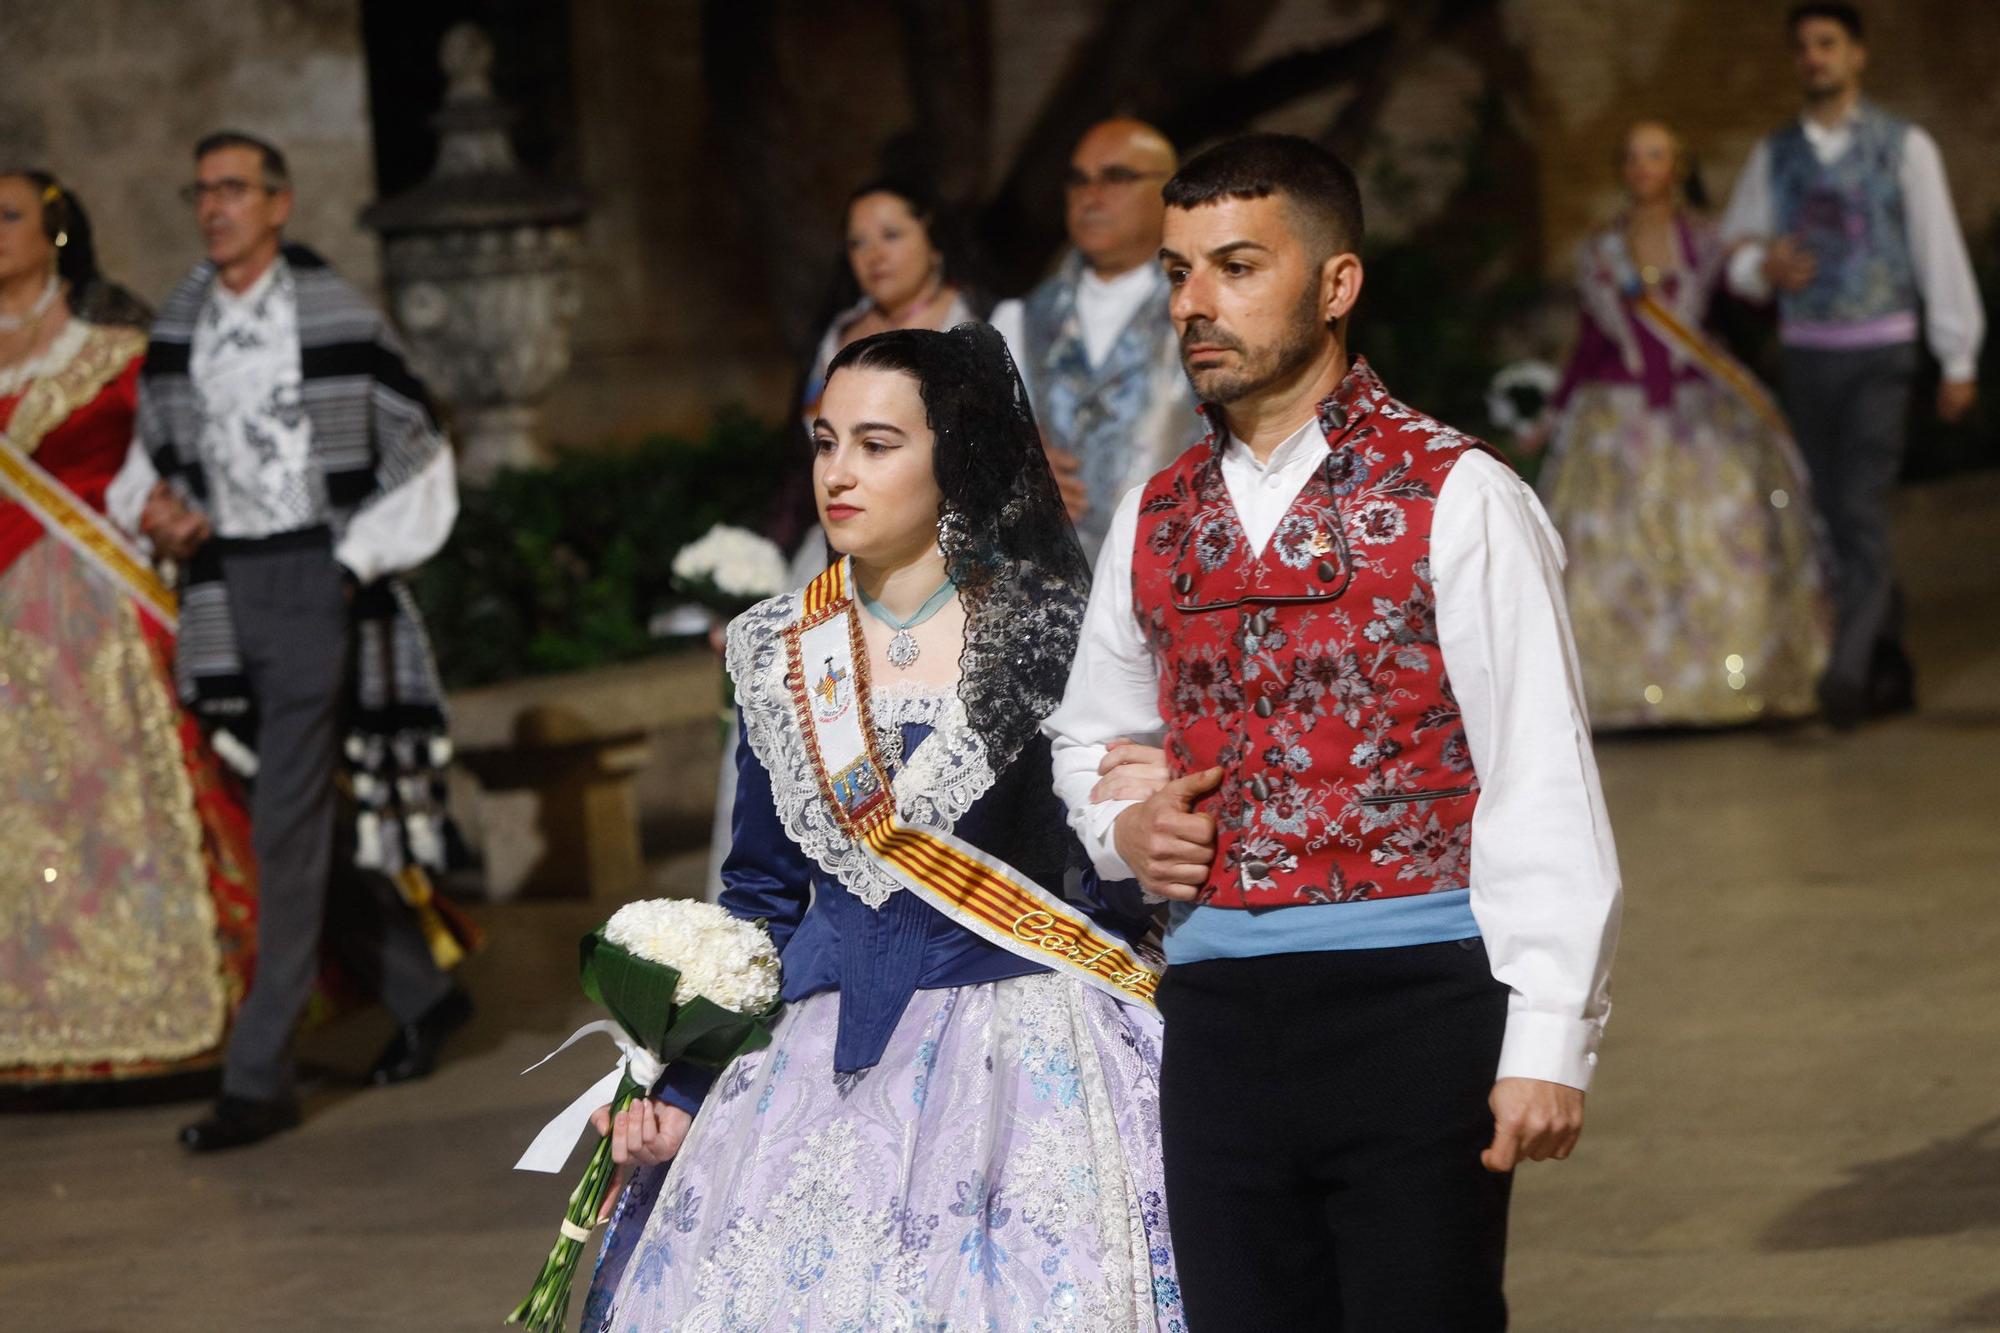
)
(289, 462)
(1094, 342)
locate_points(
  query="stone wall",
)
(677, 318)
(111, 95)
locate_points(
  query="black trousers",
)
(1323, 1116)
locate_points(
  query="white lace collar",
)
(935, 784)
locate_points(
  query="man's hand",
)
(1069, 480)
(1955, 400)
(646, 1133)
(174, 529)
(1130, 772)
(1532, 1122)
(1787, 267)
(1168, 845)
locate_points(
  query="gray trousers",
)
(1848, 410)
(291, 627)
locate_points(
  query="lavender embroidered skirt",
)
(998, 1169)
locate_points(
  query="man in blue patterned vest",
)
(1094, 343)
(1846, 216)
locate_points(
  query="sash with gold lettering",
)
(827, 676)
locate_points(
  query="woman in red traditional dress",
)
(127, 909)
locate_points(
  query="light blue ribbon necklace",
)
(903, 650)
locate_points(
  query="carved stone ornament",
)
(481, 262)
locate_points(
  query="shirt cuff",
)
(353, 557)
(1098, 818)
(685, 1085)
(1746, 273)
(1960, 369)
(1551, 1047)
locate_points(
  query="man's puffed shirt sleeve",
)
(1544, 874)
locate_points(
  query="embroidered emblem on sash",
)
(833, 694)
(977, 891)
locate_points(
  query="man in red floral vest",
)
(1393, 886)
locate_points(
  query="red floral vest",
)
(1311, 673)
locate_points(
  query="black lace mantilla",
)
(1006, 538)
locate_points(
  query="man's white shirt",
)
(1544, 872)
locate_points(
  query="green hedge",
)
(561, 568)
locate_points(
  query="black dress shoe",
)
(413, 1051)
(1892, 681)
(237, 1122)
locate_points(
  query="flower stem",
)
(546, 1310)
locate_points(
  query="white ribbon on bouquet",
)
(552, 1146)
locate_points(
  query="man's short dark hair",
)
(277, 175)
(1320, 189)
(1847, 16)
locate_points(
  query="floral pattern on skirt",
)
(1694, 574)
(999, 1169)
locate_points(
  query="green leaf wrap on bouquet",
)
(639, 993)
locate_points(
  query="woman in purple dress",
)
(1694, 576)
(956, 1124)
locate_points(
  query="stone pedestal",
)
(481, 261)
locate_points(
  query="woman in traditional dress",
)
(127, 921)
(900, 273)
(1694, 575)
(956, 1122)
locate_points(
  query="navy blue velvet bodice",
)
(877, 957)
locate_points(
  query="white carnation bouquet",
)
(683, 980)
(729, 569)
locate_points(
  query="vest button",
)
(1327, 573)
(1337, 415)
(1264, 707)
(1183, 583)
(1256, 870)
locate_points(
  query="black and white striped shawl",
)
(372, 431)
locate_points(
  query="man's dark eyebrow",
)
(1236, 247)
(1168, 256)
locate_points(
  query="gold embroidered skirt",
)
(1694, 573)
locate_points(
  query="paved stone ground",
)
(1797, 1126)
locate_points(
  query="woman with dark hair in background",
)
(905, 268)
(905, 275)
(956, 1123)
(1694, 578)
(127, 919)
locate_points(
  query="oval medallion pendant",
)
(902, 650)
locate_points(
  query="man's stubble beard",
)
(1304, 336)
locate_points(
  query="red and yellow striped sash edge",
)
(983, 896)
(971, 886)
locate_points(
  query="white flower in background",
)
(1518, 397)
(738, 562)
(720, 957)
